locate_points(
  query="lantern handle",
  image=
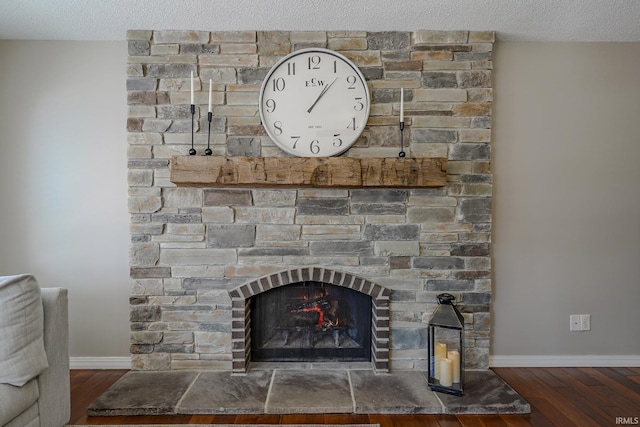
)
(446, 299)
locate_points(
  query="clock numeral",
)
(271, 105)
(291, 68)
(295, 140)
(359, 105)
(352, 81)
(277, 127)
(337, 142)
(278, 84)
(352, 124)
(314, 62)
(314, 147)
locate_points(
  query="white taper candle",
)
(192, 89)
(401, 105)
(210, 84)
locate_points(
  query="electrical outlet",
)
(574, 322)
(580, 322)
(585, 322)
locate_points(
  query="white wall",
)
(567, 198)
(63, 181)
(566, 206)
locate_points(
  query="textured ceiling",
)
(513, 20)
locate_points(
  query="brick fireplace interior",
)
(201, 256)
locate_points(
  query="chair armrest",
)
(55, 395)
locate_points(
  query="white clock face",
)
(314, 103)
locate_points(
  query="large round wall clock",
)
(314, 102)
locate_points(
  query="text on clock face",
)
(314, 82)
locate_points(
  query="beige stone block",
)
(474, 135)
(482, 36)
(233, 37)
(238, 48)
(143, 254)
(144, 138)
(178, 36)
(165, 49)
(364, 58)
(441, 122)
(150, 362)
(435, 37)
(195, 257)
(446, 65)
(134, 111)
(348, 34)
(140, 177)
(141, 35)
(397, 248)
(235, 110)
(143, 287)
(144, 204)
(178, 337)
(480, 94)
(145, 337)
(430, 214)
(308, 36)
(242, 98)
(347, 43)
(432, 55)
(395, 84)
(440, 95)
(228, 60)
(222, 214)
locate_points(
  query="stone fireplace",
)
(199, 255)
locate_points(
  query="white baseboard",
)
(563, 361)
(100, 362)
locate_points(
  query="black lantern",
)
(446, 347)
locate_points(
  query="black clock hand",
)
(321, 94)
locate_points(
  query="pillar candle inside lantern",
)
(446, 372)
(440, 353)
(454, 356)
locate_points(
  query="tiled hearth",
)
(303, 388)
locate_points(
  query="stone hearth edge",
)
(281, 391)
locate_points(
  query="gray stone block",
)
(378, 196)
(388, 40)
(438, 263)
(439, 79)
(320, 206)
(391, 232)
(433, 135)
(170, 70)
(227, 197)
(243, 146)
(450, 285)
(474, 210)
(231, 236)
(341, 248)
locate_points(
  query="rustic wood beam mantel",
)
(345, 172)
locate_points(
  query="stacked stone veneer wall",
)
(191, 246)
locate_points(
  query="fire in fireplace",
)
(311, 321)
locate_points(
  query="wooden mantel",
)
(345, 172)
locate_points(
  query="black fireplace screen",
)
(311, 321)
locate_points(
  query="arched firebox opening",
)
(312, 314)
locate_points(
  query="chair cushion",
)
(22, 354)
(16, 400)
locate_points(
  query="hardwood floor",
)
(558, 397)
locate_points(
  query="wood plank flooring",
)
(558, 397)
